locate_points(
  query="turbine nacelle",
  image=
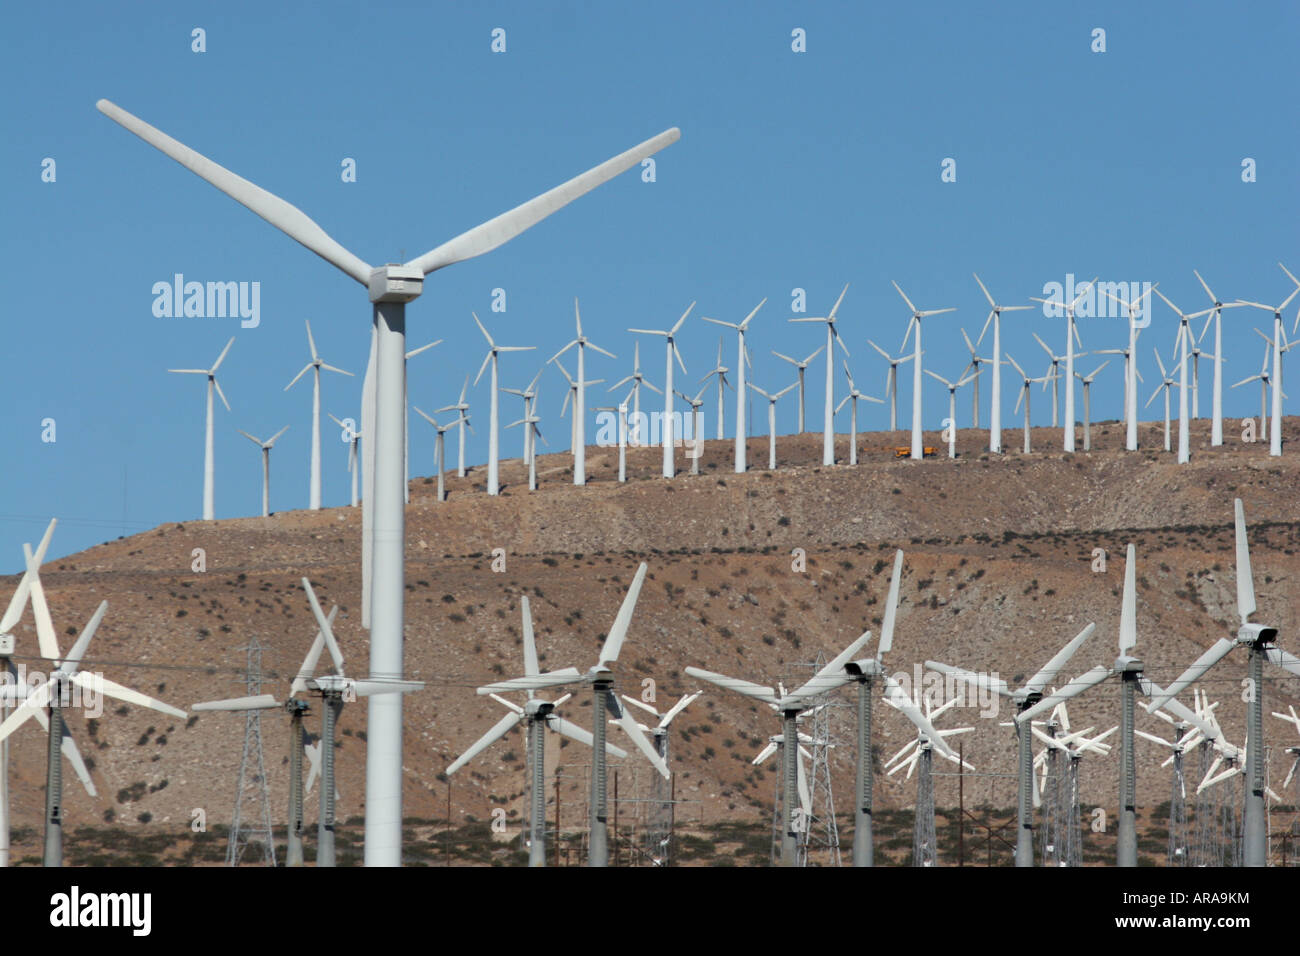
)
(1127, 664)
(539, 708)
(395, 283)
(1257, 634)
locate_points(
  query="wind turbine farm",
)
(703, 565)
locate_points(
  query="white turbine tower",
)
(314, 366)
(1071, 337)
(952, 408)
(802, 367)
(666, 431)
(1275, 442)
(266, 464)
(461, 408)
(771, 420)
(209, 468)
(995, 409)
(1087, 403)
(721, 371)
(917, 315)
(853, 397)
(1130, 393)
(741, 361)
(438, 454)
(891, 382)
(494, 423)
(828, 418)
(579, 399)
(390, 288)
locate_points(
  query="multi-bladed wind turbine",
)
(1265, 378)
(209, 468)
(352, 434)
(571, 401)
(529, 395)
(832, 338)
(697, 437)
(1217, 307)
(1071, 337)
(976, 361)
(1024, 698)
(952, 408)
(438, 445)
(638, 380)
(891, 382)
(1130, 393)
(918, 452)
(494, 423)
(853, 396)
(579, 400)
(1259, 640)
(666, 430)
(530, 422)
(1275, 442)
(266, 464)
(314, 366)
(995, 409)
(1167, 382)
(1087, 403)
(772, 399)
(462, 409)
(721, 371)
(802, 367)
(1025, 395)
(1182, 344)
(742, 360)
(836, 673)
(390, 288)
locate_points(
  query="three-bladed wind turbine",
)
(952, 408)
(1167, 382)
(621, 409)
(314, 366)
(1217, 307)
(601, 677)
(1182, 344)
(579, 400)
(334, 689)
(55, 694)
(406, 425)
(1259, 640)
(637, 379)
(352, 435)
(659, 732)
(742, 360)
(853, 397)
(1024, 698)
(776, 744)
(209, 467)
(266, 465)
(462, 409)
(529, 421)
(836, 673)
(721, 371)
(390, 288)
(1024, 396)
(771, 421)
(1087, 403)
(995, 408)
(832, 337)
(802, 367)
(696, 445)
(667, 429)
(1130, 393)
(891, 382)
(976, 361)
(1264, 377)
(541, 716)
(299, 742)
(1275, 442)
(918, 452)
(529, 395)
(439, 462)
(1071, 337)
(1128, 363)
(571, 401)
(494, 424)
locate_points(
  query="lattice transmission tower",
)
(253, 784)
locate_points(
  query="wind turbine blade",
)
(1128, 611)
(272, 440)
(69, 748)
(531, 667)
(290, 220)
(681, 705)
(831, 675)
(1217, 652)
(1281, 658)
(1245, 580)
(217, 385)
(982, 681)
(905, 298)
(497, 731)
(105, 686)
(1048, 674)
(571, 730)
(891, 608)
(33, 705)
(371, 688)
(69, 665)
(757, 691)
(15, 609)
(638, 737)
(1072, 689)
(568, 675)
(308, 667)
(45, 638)
(642, 704)
(312, 752)
(985, 291)
(487, 236)
(614, 642)
(260, 702)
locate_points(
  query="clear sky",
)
(795, 170)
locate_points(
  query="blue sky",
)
(794, 170)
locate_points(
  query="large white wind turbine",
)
(209, 468)
(1275, 442)
(832, 337)
(853, 397)
(1259, 639)
(1071, 337)
(721, 371)
(995, 408)
(666, 430)
(315, 365)
(802, 367)
(266, 464)
(952, 408)
(461, 408)
(1130, 393)
(579, 400)
(742, 360)
(390, 288)
(834, 674)
(918, 452)
(771, 420)
(494, 423)
(891, 382)
(1087, 403)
